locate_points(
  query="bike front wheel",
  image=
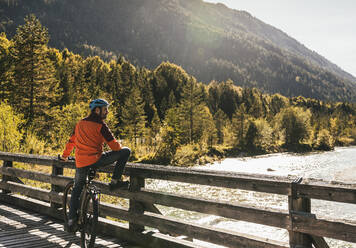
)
(90, 214)
(66, 199)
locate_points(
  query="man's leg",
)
(120, 157)
(80, 177)
(124, 155)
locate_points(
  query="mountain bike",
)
(88, 212)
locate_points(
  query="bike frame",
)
(89, 190)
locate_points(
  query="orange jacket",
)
(88, 138)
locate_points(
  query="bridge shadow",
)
(21, 228)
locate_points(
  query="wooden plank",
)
(151, 208)
(209, 234)
(219, 179)
(56, 171)
(276, 218)
(32, 205)
(328, 192)
(40, 194)
(266, 216)
(297, 239)
(146, 239)
(37, 176)
(35, 159)
(6, 164)
(48, 235)
(319, 242)
(136, 183)
(323, 228)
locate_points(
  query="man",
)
(88, 138)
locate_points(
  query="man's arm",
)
(69, 147)
(109, 138)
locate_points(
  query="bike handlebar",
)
(70, 158)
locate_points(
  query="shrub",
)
(10, 133)
(187, 155)
(324, 141)
(32, 144)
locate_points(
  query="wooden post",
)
(300, 204)
(136, 183)
(54, 188)
(6, 178)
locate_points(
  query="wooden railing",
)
(304, 228)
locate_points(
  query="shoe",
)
(119, 185)
(71, 226)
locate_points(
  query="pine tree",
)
(6, 72)
(67, 70)
(154, 128)
(35, 81)
(220, 119)
(239, 124)
(94, 76)
(123, 89)
(133, 116)
(191, 110)
(251, 136)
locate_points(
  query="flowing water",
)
(337, 165)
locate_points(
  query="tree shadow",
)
(20, 228)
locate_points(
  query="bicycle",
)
(88, 212)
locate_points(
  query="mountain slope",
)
(210, 41)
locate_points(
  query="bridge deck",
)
(23, 229)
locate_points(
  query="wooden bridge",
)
(144, 224)
(23, 228)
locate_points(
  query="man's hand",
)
(60, 157)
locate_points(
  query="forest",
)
(165, 115)
(210, 41)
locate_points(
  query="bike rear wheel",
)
(66, 199)
(90, 214)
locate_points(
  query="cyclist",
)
(88, 138)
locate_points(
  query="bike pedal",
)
(119, 185)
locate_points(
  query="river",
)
(337, 165)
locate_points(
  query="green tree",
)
(224, 96)
(71, 79)
(206, 128)
(35, 81)
(324, 140)
(95, 76)
(191, 110)
(277, 102)
(62, 123)
(6, 70)
(171, 137)
(264, 138)
(154, 128)
(251, 136)
(239, 124)
(133, 116)
(220, 119)
(10, 134)
(124, 82)
(167, 82)
(294, 122)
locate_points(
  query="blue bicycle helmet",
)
(98, 103)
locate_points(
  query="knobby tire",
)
(90, 214)
(67, 191)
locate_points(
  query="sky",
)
(326, 27)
